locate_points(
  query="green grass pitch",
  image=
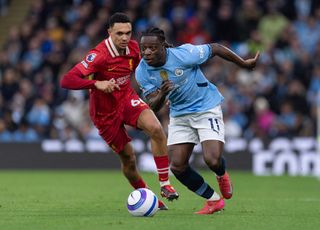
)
(97, 200)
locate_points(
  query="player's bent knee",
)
(177, 169)
(212, 162)
(156, 131)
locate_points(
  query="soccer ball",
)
(142, 202)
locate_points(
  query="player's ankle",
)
(215, 196)
(164, 183)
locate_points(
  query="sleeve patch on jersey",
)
(91, 57)
(205, 84)
(201, 51)
(84, 64)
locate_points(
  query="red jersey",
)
(104, 63)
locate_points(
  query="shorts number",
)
(214, 125)
(134, 103)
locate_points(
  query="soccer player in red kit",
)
(106, 72)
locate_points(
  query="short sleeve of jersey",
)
(193, 54)
(91, 63)
(142, 77)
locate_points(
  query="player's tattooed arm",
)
(229, 55)
(157, 99)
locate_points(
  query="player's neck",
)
(121, 51)
(162, 60)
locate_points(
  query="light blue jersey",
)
(192, 91)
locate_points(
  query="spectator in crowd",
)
(5, 134)
(265, 118)
(247, 18)
(194, 33)
(271, 24)
(4, 7)
(25, 133)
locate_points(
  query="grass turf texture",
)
(97, 200)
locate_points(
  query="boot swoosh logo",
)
(231, 189)
(110, 69)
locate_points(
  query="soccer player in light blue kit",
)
(195, 111)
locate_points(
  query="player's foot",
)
(211, 206)
(162, 206)
(225, 186)
(168, 192)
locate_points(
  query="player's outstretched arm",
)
(157, 99)
(74, 79)
(227, 54)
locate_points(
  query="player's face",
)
(152, 50)
(120, 34)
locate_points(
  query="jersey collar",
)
(112, 48)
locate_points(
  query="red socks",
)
(162, 163)
(138, 184)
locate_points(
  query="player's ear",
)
(163, 46)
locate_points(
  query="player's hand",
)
(251, 62)
(166, 87)
(107, 86)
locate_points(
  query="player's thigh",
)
(148, 121)
(134, 107)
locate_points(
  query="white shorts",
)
(197, 127)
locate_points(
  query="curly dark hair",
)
(155, 31)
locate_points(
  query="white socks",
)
(215, 196)
(163, 183)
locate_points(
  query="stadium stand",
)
(277, 99)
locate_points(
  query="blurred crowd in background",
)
(4, 7)
(278, 98)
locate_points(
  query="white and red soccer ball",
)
(142, 202)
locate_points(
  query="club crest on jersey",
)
(91, 57)
(131, 64)
(91, 77)
(164, 75)
(178, 72)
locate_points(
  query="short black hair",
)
(118, 18)
(155, 31)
